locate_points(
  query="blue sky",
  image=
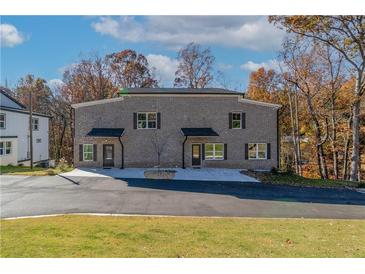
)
(44, 45)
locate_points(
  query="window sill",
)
(214, 159)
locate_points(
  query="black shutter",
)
(203, 151)
(243, 120)
(246, 151)
(135, 120)
(81, 153)
(268, 147)
(95, 153)
(230, 119)
(158, 120)
(225, 151)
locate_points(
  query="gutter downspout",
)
(121, 144)
(183, 152)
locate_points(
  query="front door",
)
(196, 155)
(108, 155)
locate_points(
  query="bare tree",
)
(195, 69)
(159, 142)
(345, 34)
(304, 73)
(130, 69)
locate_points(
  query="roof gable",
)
(8, 101)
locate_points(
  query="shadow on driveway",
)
(257, 191)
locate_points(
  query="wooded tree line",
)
(320, 85)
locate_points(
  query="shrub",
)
(62, 164)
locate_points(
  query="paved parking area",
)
(29, 196)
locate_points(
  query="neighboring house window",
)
(35, 124)
(257, 151)
(214, 151)
(147, 120)
(38, 140)
(2, 120)
(88, 152)
(236, 120)
(8, 148)
(5, 148)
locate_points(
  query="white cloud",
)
(55, 85)
(251, 32)
(10, 36)
(270, 64)
(165, 67)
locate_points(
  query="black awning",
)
(106, 132)
(199, 131)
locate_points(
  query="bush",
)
(62, 164)
(274, 170)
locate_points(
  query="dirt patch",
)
(160, 174)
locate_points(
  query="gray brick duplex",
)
(182, 127)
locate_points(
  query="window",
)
(147, 120)
(35, 123)
(257, 151)
(5, 148)
(2, 120)
(8, 148)
(38, 140)
(88, 152)
(214, 151)
(236, 120)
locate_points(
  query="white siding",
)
(17, 124)
(7, 159)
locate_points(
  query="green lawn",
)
(37, 171)
(296, 180)
(101, 236)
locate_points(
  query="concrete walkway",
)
(204, 174)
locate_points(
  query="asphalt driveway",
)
(28, 196)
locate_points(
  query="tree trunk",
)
(321, 161)
(346, 150)
(334, 139)
(355, 141)
(293, 134)
(298, 135)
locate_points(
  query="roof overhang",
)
(106, 132)
(199, 132)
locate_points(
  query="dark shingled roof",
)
(180, 91)
(106, 132)
(7, 93)
(200, 131)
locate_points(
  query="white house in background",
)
(14, 133)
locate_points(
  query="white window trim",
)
(150, 112)
(5, 148)
(35, 119)
(257, 151)
(4, 114)
(83, 152)
(213, 159)
(240, 113)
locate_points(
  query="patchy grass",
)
(102, 236)
(296, 180)
(37, 171)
